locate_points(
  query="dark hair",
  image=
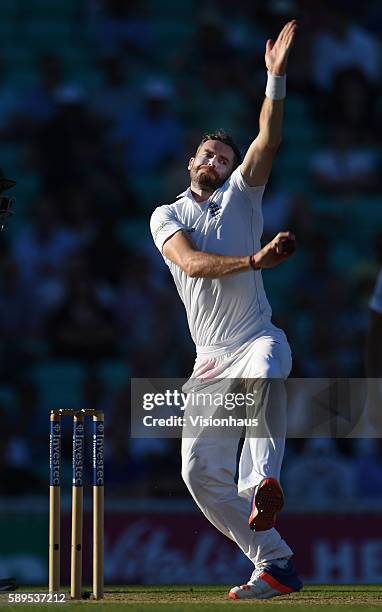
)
(226, 139)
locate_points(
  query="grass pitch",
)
(184, 598)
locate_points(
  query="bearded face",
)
(211, 166)
(206, 178)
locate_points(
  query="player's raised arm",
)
(257, 163)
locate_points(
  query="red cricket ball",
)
(286, 246)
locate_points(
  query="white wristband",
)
(276, 87)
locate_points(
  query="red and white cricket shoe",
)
(277, 577)
(267, 501)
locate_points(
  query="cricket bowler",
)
(210, 240)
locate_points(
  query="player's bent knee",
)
(201, 473)
(207, 481)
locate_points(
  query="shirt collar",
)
(187, 192)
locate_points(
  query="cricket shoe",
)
(267, 501)
(270, 579)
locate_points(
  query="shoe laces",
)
(260, 567)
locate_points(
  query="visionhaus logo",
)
(310, 408)
(196, 410)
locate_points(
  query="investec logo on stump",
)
(98, 462)
(78, 455)
(55, 446)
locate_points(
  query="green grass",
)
(213, 598)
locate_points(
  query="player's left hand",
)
(276, 53)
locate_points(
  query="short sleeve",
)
(164, 224)
(255, 194)
(376, 299)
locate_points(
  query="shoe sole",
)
(267, 502)
(269, 595)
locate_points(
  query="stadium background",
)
(101, 104)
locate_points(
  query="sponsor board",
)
(163, 547)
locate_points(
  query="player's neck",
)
(200, 195)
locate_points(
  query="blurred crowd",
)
(102, 102)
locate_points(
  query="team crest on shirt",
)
(214, 208)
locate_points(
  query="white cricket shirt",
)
(376, 299)
(224, 312)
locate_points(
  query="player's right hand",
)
(276, 53)
(276, 251)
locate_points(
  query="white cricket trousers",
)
(209, 461)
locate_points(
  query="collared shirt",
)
(221, 312)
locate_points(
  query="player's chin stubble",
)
(206, 180)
